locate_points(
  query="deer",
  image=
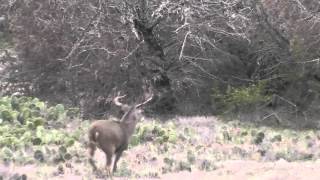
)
(112, 137)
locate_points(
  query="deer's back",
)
(105, 131)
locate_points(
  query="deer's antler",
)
(146, 101)
(116, 101)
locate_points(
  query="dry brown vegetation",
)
(80, 53)
(254, 62)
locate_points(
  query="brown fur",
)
(112, 137)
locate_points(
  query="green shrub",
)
(154, 132)
(5, 40)
(25, 122)
(240, 98)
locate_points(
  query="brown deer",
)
(112, 137)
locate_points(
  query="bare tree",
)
(85, 50)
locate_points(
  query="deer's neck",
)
(129, 121)
(129, 128)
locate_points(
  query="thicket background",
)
(255, 59)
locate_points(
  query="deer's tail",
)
(93, 135)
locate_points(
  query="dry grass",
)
(205, 147)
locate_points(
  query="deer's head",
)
(133, 113)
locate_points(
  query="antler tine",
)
(116, 100)
(145, 102)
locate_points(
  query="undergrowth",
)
(240, 99)
(28, 124)
(33, 132)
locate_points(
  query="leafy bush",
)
(27, 121)
(240, 98)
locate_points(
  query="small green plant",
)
(259, 138)
(191, 157)
(154, 132)
(183, 166)
(123, 170)
(5, 40)
(207, 165)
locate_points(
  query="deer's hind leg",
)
(118, 155)
(109, 153)
(92, 149)
(108, 166)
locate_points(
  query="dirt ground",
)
(238, 169)
(279, 170)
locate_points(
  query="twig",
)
(279, 120)
(91, 24)
(133, 51)
(285, 100)
(183, 45)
